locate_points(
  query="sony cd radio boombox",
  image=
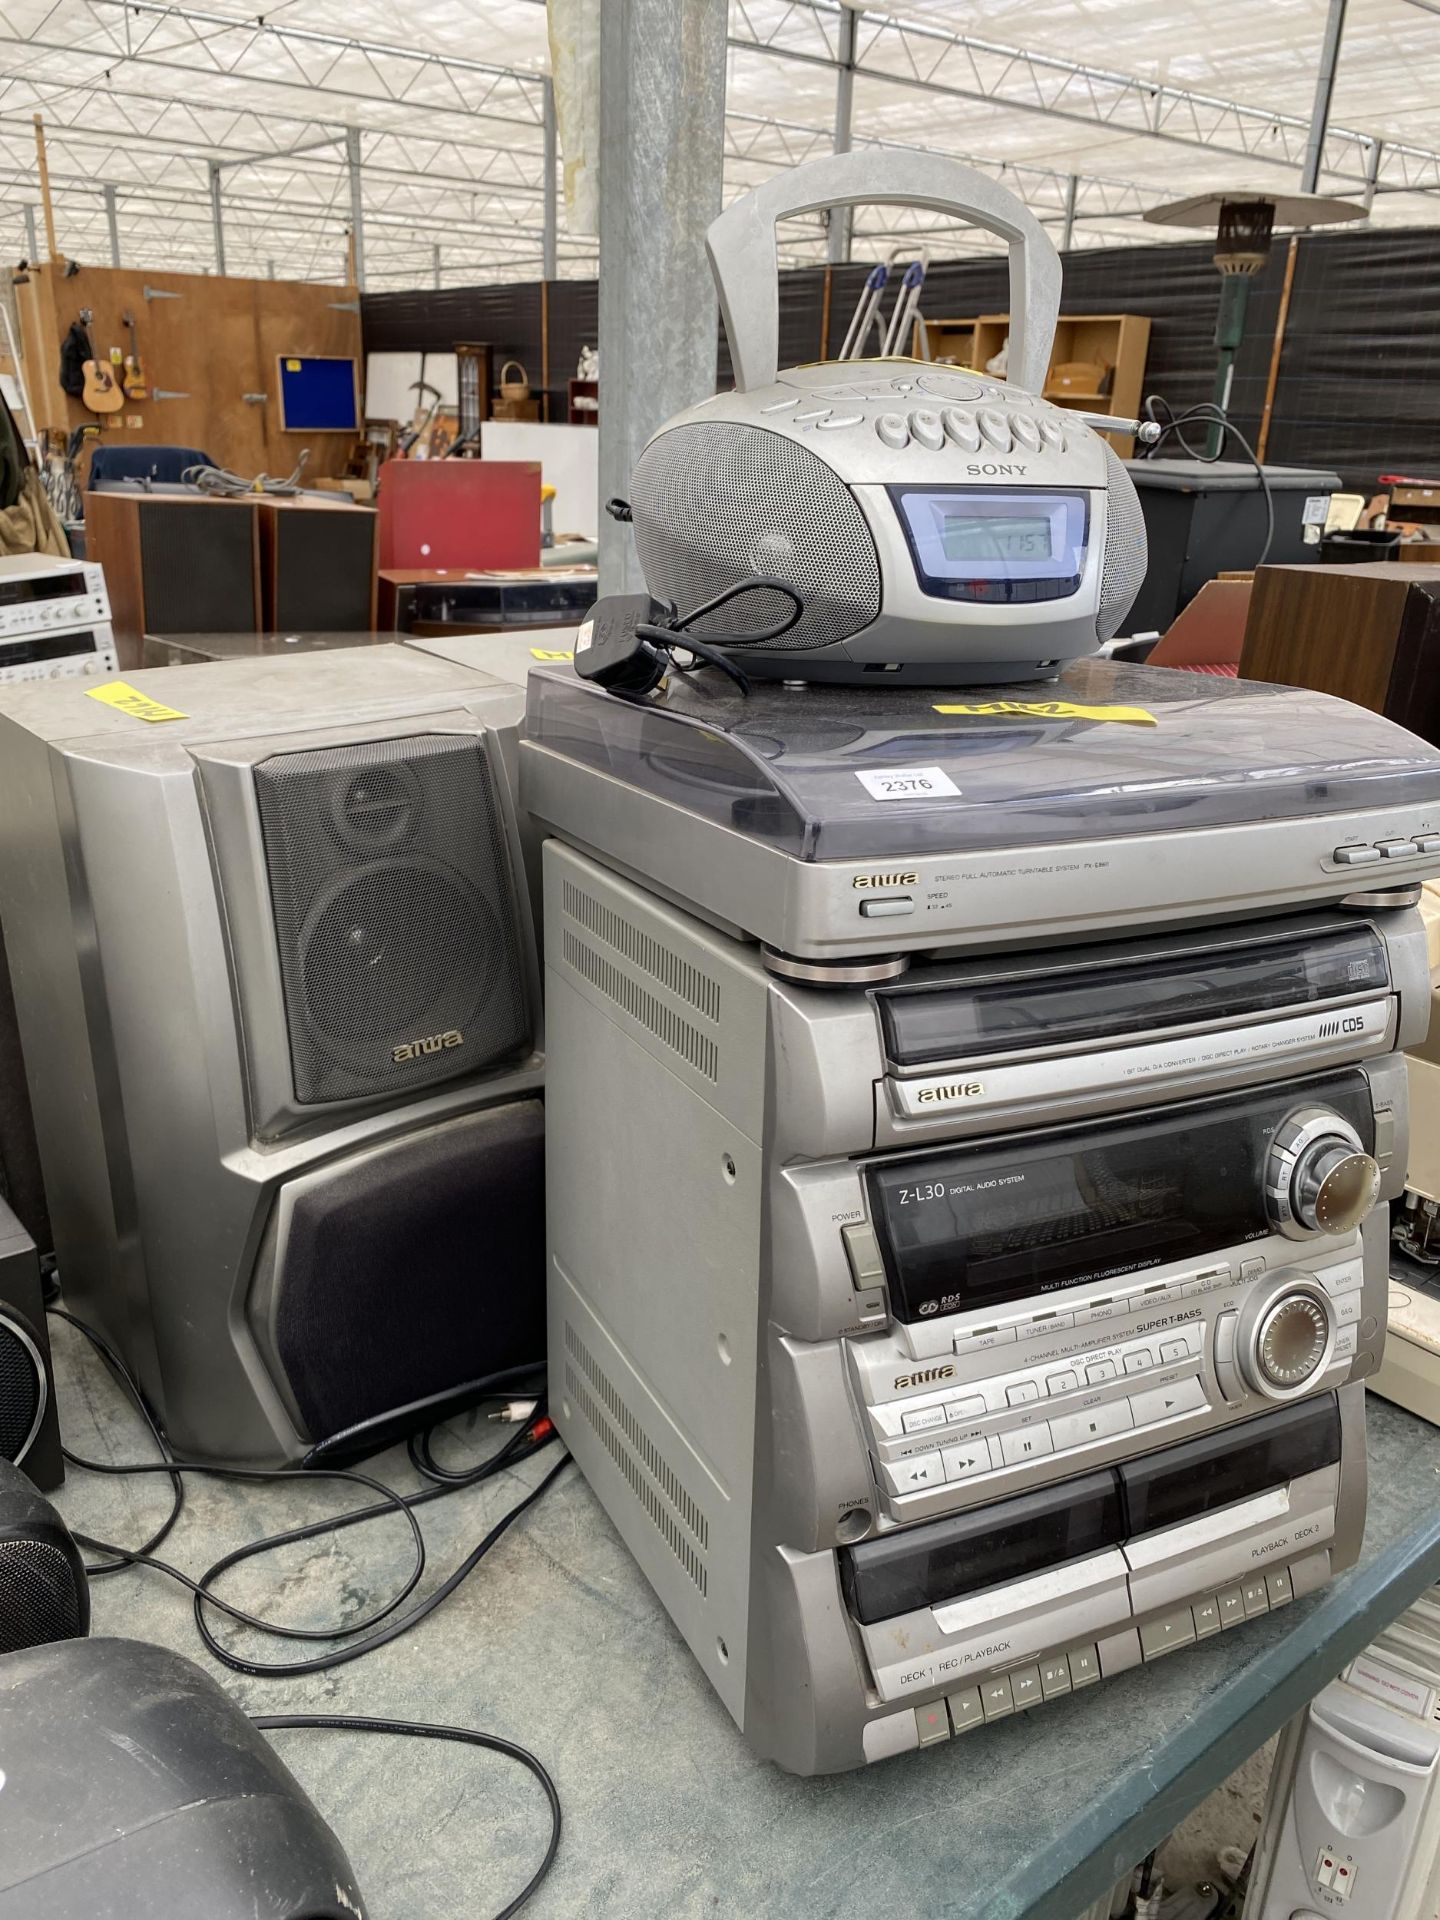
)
(938, 526)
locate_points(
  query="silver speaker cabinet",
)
(274, 966)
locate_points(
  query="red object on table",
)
(460, 513)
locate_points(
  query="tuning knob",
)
(1286, 1336)
(1318, 1177)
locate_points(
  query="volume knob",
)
(1318, 1177)
(1286, 1335)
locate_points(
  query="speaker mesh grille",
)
(20, 1390)
(410, 1272)
(1126, 553)
(198, 565)
(39, 1598)
(324, 565)
(717, 503)
(395, 916)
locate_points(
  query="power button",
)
(892, 908)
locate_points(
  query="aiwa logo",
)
(432, 1043)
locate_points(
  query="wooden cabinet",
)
(1369, 633)
(1097, 364)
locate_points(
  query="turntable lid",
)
(1108, 749)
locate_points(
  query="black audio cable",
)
(376, 1629)
(1207, 414)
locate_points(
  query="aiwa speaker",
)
(278, 998)
(29, 1429)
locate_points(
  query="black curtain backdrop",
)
(1359, 385)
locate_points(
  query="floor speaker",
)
(29, 1428)
(1369, 633)
(175, 565)
(278, 995)
(318, 566)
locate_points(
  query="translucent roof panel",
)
(1139, 101)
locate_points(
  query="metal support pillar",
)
(32, 239)
(549, 267)
(112, 220)
(435, 265)
(662, 120)
(1372, 172)
(1067, 232)
(842, 219)
(1324, 90)
(270, 269)
(217, 216)
(357, 203)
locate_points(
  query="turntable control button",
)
(1026, 432)
(894, 908)
(1397, 849)
(926, 428)
(1355, 856)
(995, 427)
(893, 431)
(962, 429)
(1053, 433)
(1428, 842)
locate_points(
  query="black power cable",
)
(357, 1638)
(416, 1729)
(1206, 413)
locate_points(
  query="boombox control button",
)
(1053, 434)
(1099, 1423)
(995, 427)
(1022, 1391)
(962, 429)
(969, 1457)
(1102, 1370)
(1169, 1403)
(1346, 1342)
(1026, 1443)
(892, 430)
(923, 1417)
(839, 420)
(970, 1409)
(927, 429)
(1347, 1310)
(1026, 433)
(782, 406)
(1290, 1341)
(923, 1470)
(1062, 1382)
(863, 1251)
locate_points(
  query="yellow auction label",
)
(1058, 710)
(127, 699)
(550, 653)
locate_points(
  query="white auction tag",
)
(907, 783)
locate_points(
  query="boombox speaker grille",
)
(395, 915)
(40, 1598)
(717, 503)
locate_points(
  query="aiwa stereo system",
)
(1022, 1082)
(275, 974)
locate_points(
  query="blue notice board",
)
(318, 394)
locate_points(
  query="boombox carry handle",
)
(741, 245)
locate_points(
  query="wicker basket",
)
(517, 388)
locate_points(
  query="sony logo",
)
(999, 468)
(954, 1090)
(903, 1380)
(432, 1043)
(885, 880)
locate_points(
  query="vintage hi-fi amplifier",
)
(54, 619)
(954, 1405)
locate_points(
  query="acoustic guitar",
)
(134, 377)
(103, 393)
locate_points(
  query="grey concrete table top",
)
(557, 1642)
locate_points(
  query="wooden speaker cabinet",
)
(174, 564)
(1369, 633)
(318, 566)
